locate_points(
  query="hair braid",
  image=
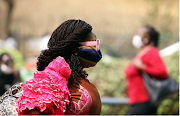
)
(62, 42)
(154, 35)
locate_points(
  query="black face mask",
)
(89, 54)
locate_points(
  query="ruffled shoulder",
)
(60, 66)
(48, 90)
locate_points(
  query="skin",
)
(143, 33)
(34, 112)
(6, 59)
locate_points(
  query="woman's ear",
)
(146, 39)
(76, 50)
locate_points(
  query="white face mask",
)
(137, 41)
(5, 69)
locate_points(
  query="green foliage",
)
(110, 80)
(114, 109)
(109, 77)
(172, 64)
(26, 75)
(16, 55)
(171, 106)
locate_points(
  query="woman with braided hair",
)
(60, 86)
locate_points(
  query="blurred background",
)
(114, 22)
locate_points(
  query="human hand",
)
(137, 63)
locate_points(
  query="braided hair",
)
(154, 35)
(62, 43)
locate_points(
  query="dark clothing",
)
(143, 109)
(4, 80)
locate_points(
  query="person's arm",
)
(156, 66)
(157, 70)
(153, 65)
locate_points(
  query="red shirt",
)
(154, 66)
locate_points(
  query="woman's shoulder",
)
(152, 56)
(153, 49)
(151, 52)
(84, 84)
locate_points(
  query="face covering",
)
(89, 54)
(137, 41)
(5, 69)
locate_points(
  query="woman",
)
(149, 61)
(60, 86)
(8, 74)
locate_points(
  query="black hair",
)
(62, 43)
(154, 35)
(1, 56)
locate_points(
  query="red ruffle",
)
(48, 90)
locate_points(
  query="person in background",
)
(8, 74)
(149, 61)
